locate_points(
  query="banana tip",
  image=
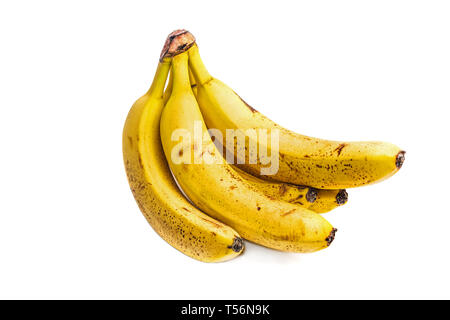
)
(400, 159)
(342, 197)
(238, 244)
(331, 236)
(311, 195)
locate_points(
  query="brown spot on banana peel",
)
(339, 148)
(238, 245)
(248, 106)
(342, 197)
(282, 189)
(177, 42)
(212, 222)
(297, 200)
(141, 164)
(400, 159)
(331, 236)
(289, 164)
(288, 213)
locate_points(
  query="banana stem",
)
(177, 43)
(159, 82)
(180, 74)
(199, 70)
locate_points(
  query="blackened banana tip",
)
(311, 195)
(400, 159)
(331, 236)
(238, 244)
(342, 197)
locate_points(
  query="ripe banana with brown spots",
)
(169, 213)
(214, 187)
(317, 200)
(303, 160)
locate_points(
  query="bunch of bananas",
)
(202, 203)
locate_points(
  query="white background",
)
(346, 70)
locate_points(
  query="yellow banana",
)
(303, 160)
(317, 200)
(169, 213)
(214, 187)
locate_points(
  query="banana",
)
(214, 187)
(299, 195)
(169, 213)
(303, 160)
(317, 200)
